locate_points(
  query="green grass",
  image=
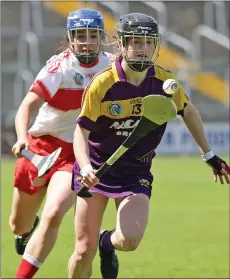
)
(187, 235)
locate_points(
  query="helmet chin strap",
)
(139, 67)
(86, 59)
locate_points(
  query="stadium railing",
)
(33, 31)
(215, 16)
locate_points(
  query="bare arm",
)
(194, 124)
(28, 108)
(80, 146)
(81, 152)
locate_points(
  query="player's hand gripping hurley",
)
(157, 110)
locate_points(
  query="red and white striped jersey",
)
(62, 82)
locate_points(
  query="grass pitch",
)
(187, 235)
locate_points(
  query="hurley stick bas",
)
(43, 163)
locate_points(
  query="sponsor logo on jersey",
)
(123, 127)
(115, 109)
(78, 78)
(125, 124)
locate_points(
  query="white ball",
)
(170, 86)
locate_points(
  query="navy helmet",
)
(85, 19)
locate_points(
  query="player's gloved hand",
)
(220, 167)
(19, 145)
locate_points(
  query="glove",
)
(220, 167)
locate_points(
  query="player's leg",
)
(26, 198)
(23, 219)
(59, 199)
(132, 219)
(24, 210)
(88, 219)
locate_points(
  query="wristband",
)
(207, 155)
(86, 169)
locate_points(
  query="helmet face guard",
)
(139, 26)
(89, 25)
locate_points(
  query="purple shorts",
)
(111, 187)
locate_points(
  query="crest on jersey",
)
(78, 78)
(115, 109)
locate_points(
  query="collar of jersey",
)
(119, 72)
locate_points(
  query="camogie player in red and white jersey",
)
(55, 97)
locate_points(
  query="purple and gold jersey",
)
(111, 109)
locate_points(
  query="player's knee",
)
(52, 216)
(129, 243)
(14, 226)
(85, 251)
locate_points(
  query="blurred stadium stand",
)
(195, 46)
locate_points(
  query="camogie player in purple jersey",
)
(112, 107)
